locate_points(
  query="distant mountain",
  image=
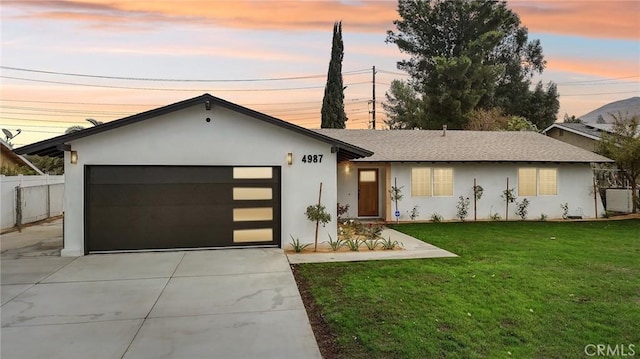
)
(630, 106)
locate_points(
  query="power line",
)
(601, 80)
(602, 93)
(174, 89)
(60, 114)
(79, 103)
(158, 105)
(393, 73)
(63, 110)
(354, 72)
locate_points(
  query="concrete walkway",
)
(413, 249)
(235, 303)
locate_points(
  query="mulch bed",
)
(327, 341)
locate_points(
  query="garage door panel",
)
(159, 174)
(128, 210)
(156, 195)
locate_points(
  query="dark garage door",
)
(172, 207)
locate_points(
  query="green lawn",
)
(518, 289)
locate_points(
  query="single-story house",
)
(583, 135)
(205, 173)
(12, 161)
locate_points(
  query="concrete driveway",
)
(234, 303)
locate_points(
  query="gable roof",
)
(17, 159)
(55, 146)
(589, 130)
(462, 146)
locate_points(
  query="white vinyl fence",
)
(26, 199)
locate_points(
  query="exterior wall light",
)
(289, 158)
(74, 157)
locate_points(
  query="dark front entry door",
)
(367, 192)
(172, 207)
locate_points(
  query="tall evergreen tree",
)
(471, 54)
(333, 115)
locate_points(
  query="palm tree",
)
(77, 128)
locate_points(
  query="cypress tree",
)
(333, 115)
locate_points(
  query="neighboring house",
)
(583, 135)
(205, 172)
(12, 161)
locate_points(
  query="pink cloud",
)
(376, 16)
(601, 68)
(598, 19)
(594, 19)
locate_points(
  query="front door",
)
(367, 192)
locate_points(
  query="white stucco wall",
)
(184, 138)
(575, 187)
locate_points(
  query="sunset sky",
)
(271, 56)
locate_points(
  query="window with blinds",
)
(527, 181)
(443, 182)
(426, 181)
(420, 181)
(548, 182)
(537, 181)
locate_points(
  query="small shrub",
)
(522, 208)
(462, 208)
(297, 246)
(342, 211)
(495, 216)
(353, 244)
(335, 245)
(388, 244)
(414, 213)
(509, 195)
(543, 217)
(395, 193)
(565, 210)
(371, 230)
(478, 191)
(436, 218)
(318, 213)
(371, 244)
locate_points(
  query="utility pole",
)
(373, 111)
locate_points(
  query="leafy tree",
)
(518, 123)
(404, 107)
(333, 115)
(623, 146)
(18, 170)
(46, 164)
(495, 120)
(486, 120)
(468, 54)
(572, 119)
(541, 105)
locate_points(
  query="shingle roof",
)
(587, 129)
(462, 146)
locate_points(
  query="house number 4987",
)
(312, 158)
